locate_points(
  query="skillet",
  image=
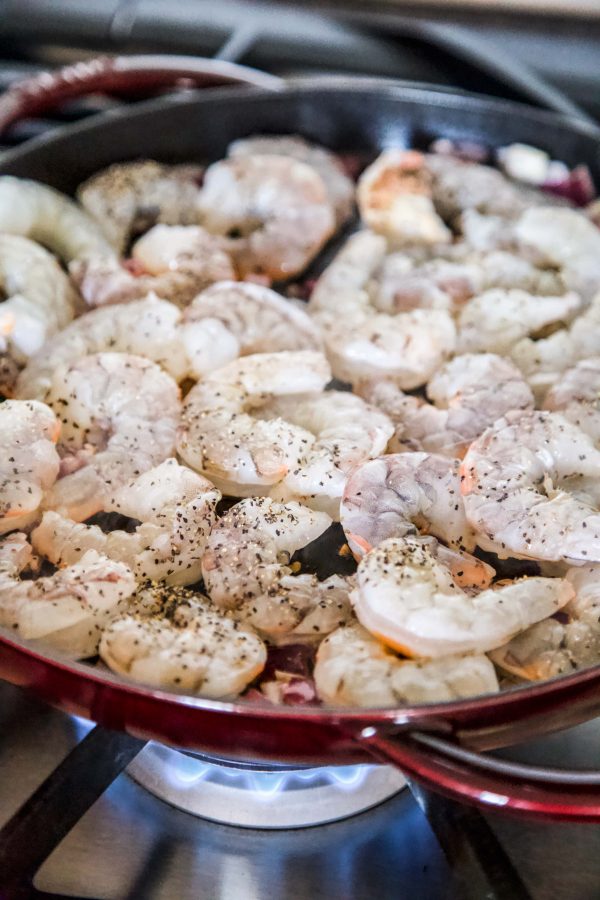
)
(436, 744)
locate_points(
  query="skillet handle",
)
(115, 74)
(486, 781)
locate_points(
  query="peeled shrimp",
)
(577, 396)
(67, 610)
(362, 343)
(558, 646)
(565, 238)
(220, 435)
(467, 394)
(355, 669)
(249, 548)
(460, 185)
(177, 509)
(408, 599)
(183, 644)
(38, 212)
(173, 261)
(529, 485)
(394, 198)
(276, 209)
(128, 198)
(238, 318)
(39, 300)
(403, 494)
(495, 320)
(29, 463)
(119, 416)
(339, 187)
(543, 361)
(346, 432)
(299, 609)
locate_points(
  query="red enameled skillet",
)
(435, 744)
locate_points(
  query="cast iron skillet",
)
(434, 744)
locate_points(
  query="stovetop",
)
(131, 845)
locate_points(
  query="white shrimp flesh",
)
(29, 461)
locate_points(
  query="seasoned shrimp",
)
(276, 209)
(495, 320)
(467, 394)
(562, 237)
(529, 485)
(177, 509)
(355, 669)
(459, 185)
(577, 397)
(247, 318)
(404, 494)
(128, 198)
(363, 343)
(119, 416)
(409, 600)
(67, 610)
(29, 462)
(179, 642)
(394, 199)
(339, 187)
(221, 435)
(346, 432)
(299, 609)
(543, 361)
(38, 212)
(173, 261)
(249, 548)
(558, 646)
(38, 300)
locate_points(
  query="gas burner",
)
(258, 796)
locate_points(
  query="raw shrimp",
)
(530, 489)
(38, 300)
(221, 436)
(151, 328)
(404, 494)
(173, 261)
(119, 416)
(179, 642)
(299, 609)
(558, 646)
(177, 509)
(394, 199)
(467, 394)
(409, 600)
(346, 431)
(339, 187)
(249, 549)
(495, 320)
(38, 212)
(459, 185)
(543, 361)
(565, 238)
(128, 198)
(362, 343)
(29, 462)
(67, 610)
(276, 209)
(355, 669)
(577, 396)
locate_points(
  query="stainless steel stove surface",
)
(130, 844)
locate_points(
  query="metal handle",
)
(115, 74)
(486, 781)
